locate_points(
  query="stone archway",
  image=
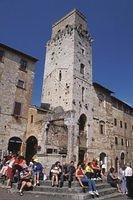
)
(14, 144)
(103, 160)
(82, 137)
(31, 148)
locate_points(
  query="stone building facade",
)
(16, 81)
(99, 125)
(78, 119)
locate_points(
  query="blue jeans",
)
(90, 183)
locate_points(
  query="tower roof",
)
(73, 12)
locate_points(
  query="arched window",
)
(102, 127)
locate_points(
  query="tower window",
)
(60, 75)
(115, 121)
(17, 108)
(23, 65)
(122, 142)
(82, 51)
(102, 127)
(125, 125)
(83, 90)
(31, 120)
(82, 67)
(20, 84)
(116, 140)
(121, 124)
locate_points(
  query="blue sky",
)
(26, 25)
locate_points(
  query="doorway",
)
(31, 148)
(14, 145)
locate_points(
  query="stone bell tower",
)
(68, 77)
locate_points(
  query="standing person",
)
(122, 179)
(83, 180)
(129, 180)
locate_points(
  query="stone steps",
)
(75, 193)
(104, 194)
(74, 183)
(74, 189)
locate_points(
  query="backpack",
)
(38, 167)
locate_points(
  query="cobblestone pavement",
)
(6, 194)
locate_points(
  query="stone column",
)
(76, 143)
(70, 145)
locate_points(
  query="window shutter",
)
(17, 108)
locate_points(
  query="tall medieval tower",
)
(68, 77)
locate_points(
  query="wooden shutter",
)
(17, 108)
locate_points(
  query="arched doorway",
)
(82, 137)
(103, 160)
(31, 148)
(122, 159)
(116, 164)
(14, 144)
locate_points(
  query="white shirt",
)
(128, 171)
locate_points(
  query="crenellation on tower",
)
(70, 21)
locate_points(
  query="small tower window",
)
(23, 65)
(60, 75)
(116, 140)
(102, 127)
(17, 108)
(83, 90)
(115, 121)
(20, 84)
(120, 124)
(82, 67)
(31, 120)
(82, 51)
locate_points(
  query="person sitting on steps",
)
(25, 181)
(83, 180)
(55, 171)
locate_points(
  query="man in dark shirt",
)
(68, 172)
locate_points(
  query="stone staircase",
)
(74, 193)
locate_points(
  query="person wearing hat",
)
(37, 170)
